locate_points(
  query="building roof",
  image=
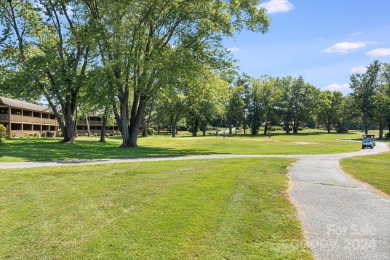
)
(24, 105)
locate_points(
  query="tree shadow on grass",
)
(53, 150)
(291, 134)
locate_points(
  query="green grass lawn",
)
(374, 169)
(202, 209)
(307, 142)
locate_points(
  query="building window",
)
(4, 111)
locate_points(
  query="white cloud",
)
(344, 88)
(345, 47)
(380, 52)
(233, 49)
(277, 6)
(359, 69)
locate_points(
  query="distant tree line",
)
(297, 104)
(286, 103)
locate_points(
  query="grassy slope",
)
(208, 209)
(88, 148)
(374, 169)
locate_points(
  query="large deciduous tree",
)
(296, 101)
(205, 100)
(329, 108)
(142, 43)
(304, 102)
(170, 106)
(45, 48)
(255, 106)
(262, 102)
(382, 100)
(364, 87)
(235, 107)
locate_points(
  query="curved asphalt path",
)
(342, 218)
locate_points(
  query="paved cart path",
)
(342, 218)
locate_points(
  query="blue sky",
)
(325, 41)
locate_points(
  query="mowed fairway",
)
(206, 209)
(374, 169)
(307, 142)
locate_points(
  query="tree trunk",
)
(173, 126)
(255, 126)
(295, 128)
(137, 110)
(124, 125)
(68, 133)
(173, 129)
(287, 126)
(117, 116)
(266, 124)
(88, 127)
(336, 126)
(69, 126)
(133, 136)
(365, 123)
(195, 127)
(103, 131)
(144, 129)
(254, 129)
(381, 127)
(56, 112)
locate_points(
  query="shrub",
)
(150, 131)
(37, 135)
(274, 128)
(387, 135)
(49, 134)
(342, 129)
(3, 132)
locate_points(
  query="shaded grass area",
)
(89, 148)
(203, 209)
(373, 169)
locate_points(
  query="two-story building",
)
(24, 119)
(95, 123)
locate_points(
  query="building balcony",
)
(91, 123)
(4, 118)
(28, 119)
